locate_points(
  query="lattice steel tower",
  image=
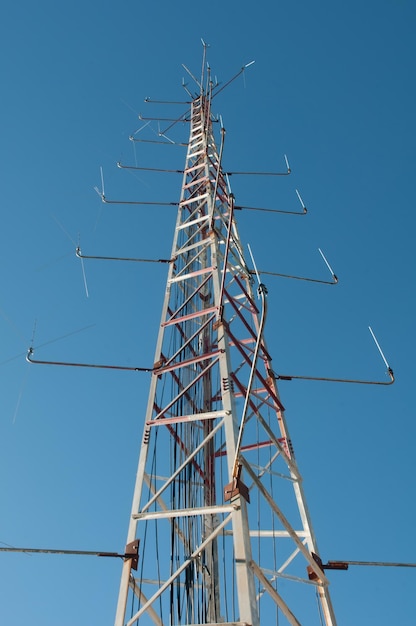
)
(219, 518)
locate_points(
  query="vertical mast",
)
(218, 508)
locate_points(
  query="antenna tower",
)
(219, 531)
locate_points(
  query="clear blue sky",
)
(333, 87)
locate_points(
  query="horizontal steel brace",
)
(195, 221)
(203, 510)
(206, 270)
(221, 624)
(197, 359)
(271, 533)
(197, 181)
(204, 243)
(197, 153)
(190, 316)
(200, 166)
(201, 196)
(210, 415)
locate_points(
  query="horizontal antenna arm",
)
(29, 357)
(164, 143)
(114, 258)
(345, 380)
(252, 208)
(232, 79)
(147, 169)
(126, 555)
(303, 212)
(141, 202)
(163, 119)
(334, 280)
(150, 101)
(336, 380)
(310, 280)
(373, 563)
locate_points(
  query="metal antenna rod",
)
(125, 555)
(336, 380)
(254, 264)
(191, 75)
(256, 208)
(147, 169)
(83, 271)
(150, 101)
(311, 280)
(233, 78)
(172, 171)
(219, 161)
(379, 349)
(100, 193)
(375, 563)
(163, 143)
(305, 278)
(327, 264)
(345, 380)
(300, 200)
(138, 202)
(262, 293)
(113, 258)
(30, 359)
(204, 54)
(185, 86)
(252, 208)
(182, 118)
(136, 132)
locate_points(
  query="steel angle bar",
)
(190, 417)
(189, 512)
(186, 363)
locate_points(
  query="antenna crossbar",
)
(30, 359)
(337, 380)
(114, 258)
(266, 210)
(103, 553)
